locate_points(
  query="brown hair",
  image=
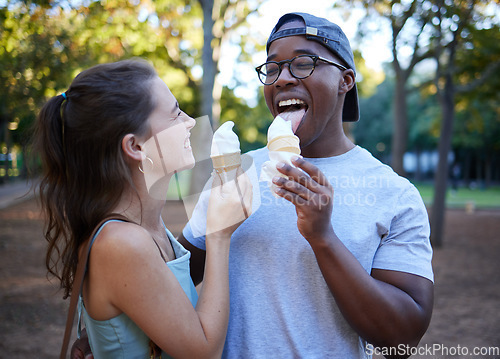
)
(78, 138)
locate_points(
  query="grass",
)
(480, 198)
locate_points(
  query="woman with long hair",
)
(109, 145)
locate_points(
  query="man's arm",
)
(197, 261)
(387, 308)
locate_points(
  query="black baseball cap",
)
(332, 37)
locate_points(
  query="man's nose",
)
(285, 76)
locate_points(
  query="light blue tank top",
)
(120, 337)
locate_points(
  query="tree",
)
(220, 18)
(375, 133)
(35, 51)
(50, 41)
(476, 138)
(409, 23)
(452, 22)
(251, 124)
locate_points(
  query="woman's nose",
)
(190, 122)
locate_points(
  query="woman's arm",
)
(134, 279)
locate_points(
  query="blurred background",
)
(428, 75)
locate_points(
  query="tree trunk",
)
(487, 170)
(201, 136)
(467, 167)
(479, 168)
(441, 177)
(400, 134)
(5, 152)
(418, 169)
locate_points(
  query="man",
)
(342, 262)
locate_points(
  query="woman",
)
(110, 144)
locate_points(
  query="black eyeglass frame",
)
(289, 62)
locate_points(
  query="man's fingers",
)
(313, 171)
(312, 180)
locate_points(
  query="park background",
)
(428, 75)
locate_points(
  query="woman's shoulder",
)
(122, 240)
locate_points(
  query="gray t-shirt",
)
(281, 306)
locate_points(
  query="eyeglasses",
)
(301, 66)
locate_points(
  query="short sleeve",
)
(406, 247)
(195, 229)
(198, 242)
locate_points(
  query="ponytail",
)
(78, 138)
(49, 146)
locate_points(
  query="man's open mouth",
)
(293, 104)
(293, 110)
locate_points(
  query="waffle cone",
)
(285, 144)
(227, 161)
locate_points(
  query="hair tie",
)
(64, 95)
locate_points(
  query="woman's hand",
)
(230, 202)
(312, 195)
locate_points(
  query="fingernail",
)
(280, 165)
(296, 158)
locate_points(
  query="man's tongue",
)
(295, 116)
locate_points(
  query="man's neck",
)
(318, 149)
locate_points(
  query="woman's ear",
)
(132, 149)
(348, 81)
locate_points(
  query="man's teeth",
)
(293, 101)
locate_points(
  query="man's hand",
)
(81, 347)
(312, 195)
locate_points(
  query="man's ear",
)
(348, 81)
(131, 148)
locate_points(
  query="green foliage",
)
(367, 80)
(423, 119)
(43, 48)
(477, 111)
(33, 57)
(44, 44)
(250, 123)
(374, 129)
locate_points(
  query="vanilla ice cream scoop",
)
(279, 127)
(225, 153)
(283, 145)
(226, 159)
(280, 137)
(225, 140)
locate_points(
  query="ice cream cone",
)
(285, 144)
(226, 162)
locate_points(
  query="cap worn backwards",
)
(330, 36)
